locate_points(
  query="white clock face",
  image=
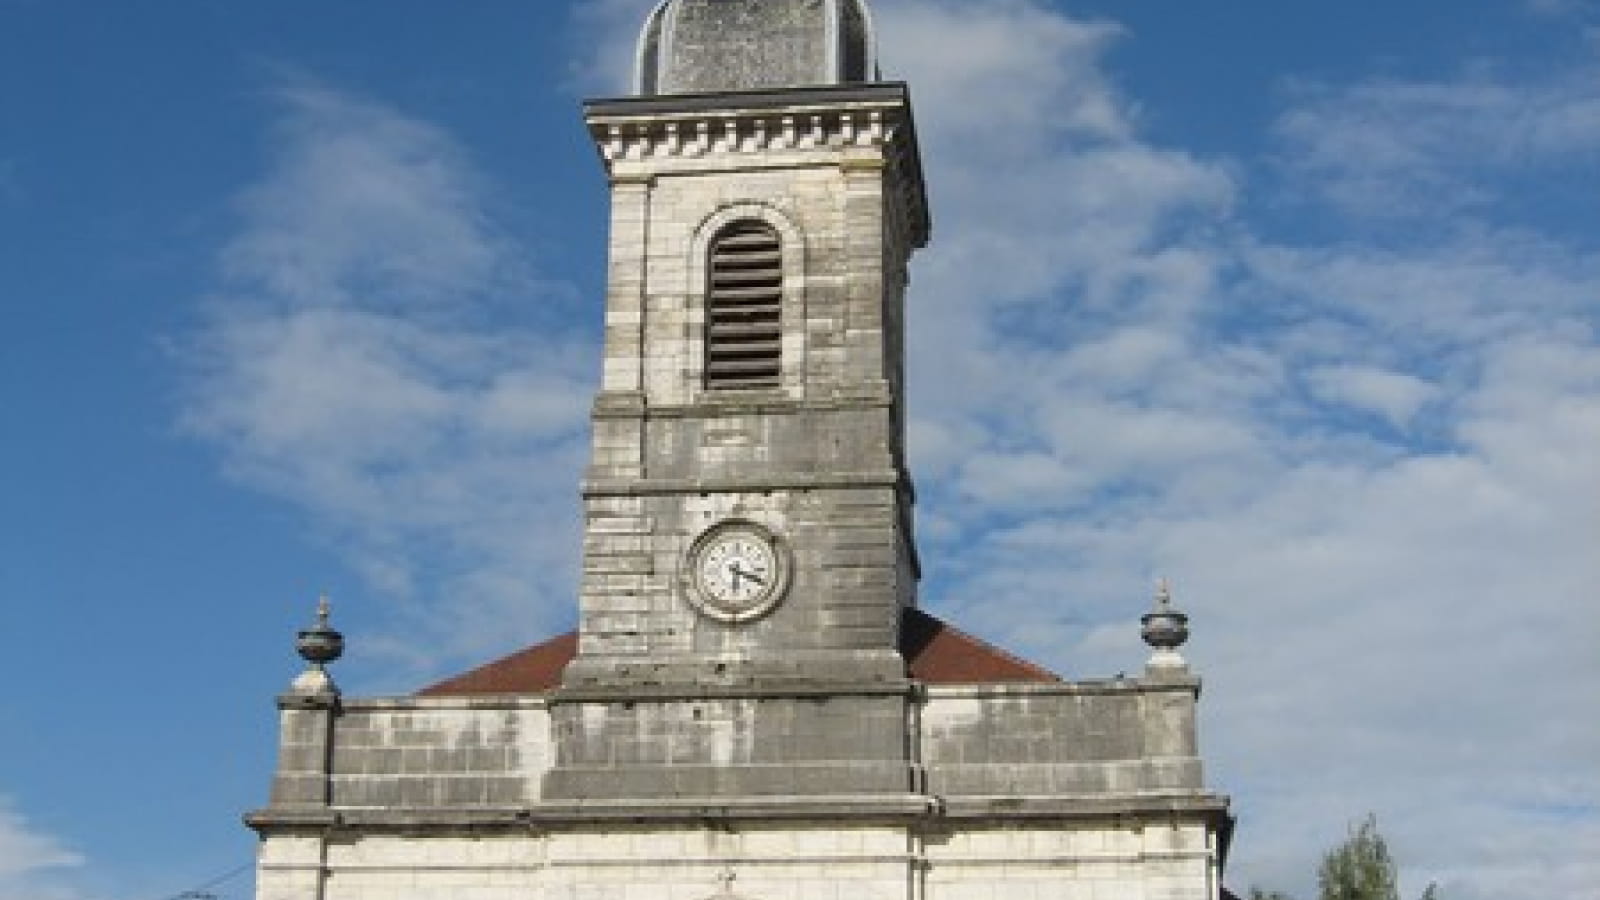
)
(737, 570)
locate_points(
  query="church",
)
(753, 705)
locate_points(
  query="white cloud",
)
(363, 203)
(1414, 150)
(379, 353)
(30, 858)
(1395, 396)
(964, 61)
(1368, 463)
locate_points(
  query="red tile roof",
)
(935, 653)
(938, 653)
(531, 670)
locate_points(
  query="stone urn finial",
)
(1165, 629)
(318, 645)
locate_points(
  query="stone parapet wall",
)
(1129, 738)
(731, 747)
(1126, 736)
(439, 753)
(1085, 791)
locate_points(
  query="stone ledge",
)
(507, 701)
(904, 808)
(776, 865)
(691, 809)
(322, 700)
(390, 819)
(712, 405)
(635, 487)
(765, 690)
(818, 97)
(1083, 806)
(279, 818)
(586, 812)
(1092, 687)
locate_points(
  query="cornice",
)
(785, 481)
(1083, 688)
(860, 128)
(929, 809)
(1131, 807)
(742, 131)
(769, 688)
(721, 404)
(813, 97)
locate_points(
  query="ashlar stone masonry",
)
(753, 704)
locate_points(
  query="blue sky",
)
(1296, 304)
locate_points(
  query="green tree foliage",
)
(1360, 868)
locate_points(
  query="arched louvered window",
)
(744, 306)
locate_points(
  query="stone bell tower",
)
(752, 705)
(748, 540)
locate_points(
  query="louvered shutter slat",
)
(744, 308)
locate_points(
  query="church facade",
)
(753, 704)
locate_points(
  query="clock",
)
(736, 571)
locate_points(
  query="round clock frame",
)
(736, 571)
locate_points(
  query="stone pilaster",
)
(305, 749)
(292, 865)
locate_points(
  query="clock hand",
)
(739, 572)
